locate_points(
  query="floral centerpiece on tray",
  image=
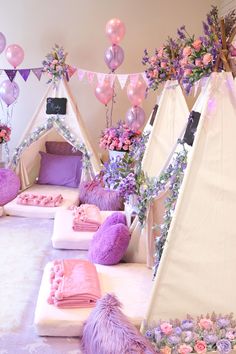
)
(54, 64)
(5, 133)
(208, 53)
(164, 64)
(119, 138)
(205, 334)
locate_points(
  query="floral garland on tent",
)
(63, 130)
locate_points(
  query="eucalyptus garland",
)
(58, 123)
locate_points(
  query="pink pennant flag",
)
(101, 78)
(122, 78)
(80, 74)
(133, 78)
(71, 70)
(145, 78)
(38, 72)
(90, 76)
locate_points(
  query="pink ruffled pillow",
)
(110, 242)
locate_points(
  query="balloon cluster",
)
(9, 90)
(113, 57)
(135, 116)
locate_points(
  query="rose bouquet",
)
(205, 334)
(120, 138)
(5, 133)
(55, 65)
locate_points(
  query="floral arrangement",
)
(55, 65)
(205, 334)
(120, 138)
(164, 64)
(5, 133)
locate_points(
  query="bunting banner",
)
(90, 76)
(81, 74)
(11, 73)
(24, 73)
(37, 72)
(122, 78)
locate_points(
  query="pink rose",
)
(152, 60)
(185, 349)
(163, 64)
(198, 62)
(184, 61)
(166, 350)
(187, 72)
(197, 45)
(200, 347)
(55, 61)
(160, 52)
(207, 58)
(205, 323)
(166, 328)
(187, 51)
(230, 335)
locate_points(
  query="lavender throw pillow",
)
(60, 170)
(109, 244)
(61, 148)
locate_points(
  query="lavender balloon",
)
(2, 42)
(9, 91)
(135, 118)
(114, 56)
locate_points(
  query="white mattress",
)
(130, 282)
(64, 237)
(70, 196)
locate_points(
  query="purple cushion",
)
(60, 170)
(108, 330)
(95, 193)
(113, 219)
(109, 244)
(9, 185)
(61, 148)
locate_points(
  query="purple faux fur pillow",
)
(105, 199)
(109, 244)
(108, 331)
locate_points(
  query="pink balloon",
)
(9, 91)
(2, 42)
(104, 92)
(115, 30)
(14, 55)
(135, 118)
(114, 56)
(136, 93)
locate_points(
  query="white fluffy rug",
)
(23, 245)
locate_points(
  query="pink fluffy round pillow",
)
(9, 185)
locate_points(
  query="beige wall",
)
(79, 26)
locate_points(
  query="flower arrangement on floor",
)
(164, 64)
(205, 334)
(55, 65)
(119, 138)
(5, 133)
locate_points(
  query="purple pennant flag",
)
(24, 73)
(38, 72)
(11, 74)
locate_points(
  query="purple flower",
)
(149, 334)
(211, 338)
(187, 325)
(173, 340)
(223, 346)
(178, 331)
(223, 322)
(157, 334)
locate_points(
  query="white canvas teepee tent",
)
(197, 269)
(169, 123)
(28, 158)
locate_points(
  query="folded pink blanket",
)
(74, 283)
(87, 217)
(40, 199)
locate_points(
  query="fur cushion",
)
(108, 331)
(9, 185)
(94, 193)
(109, 244)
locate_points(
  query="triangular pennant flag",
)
(145, 78)
(81, 74)
(71, 70)
(24, 73)
(112, 79)
(90, 76)
(101, 78)
(122, 78)
(11, 74)
(38, 72)
(133, 78)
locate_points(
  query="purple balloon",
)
(2, 42)
(114, 56)
(135, 118)
(9, 91)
